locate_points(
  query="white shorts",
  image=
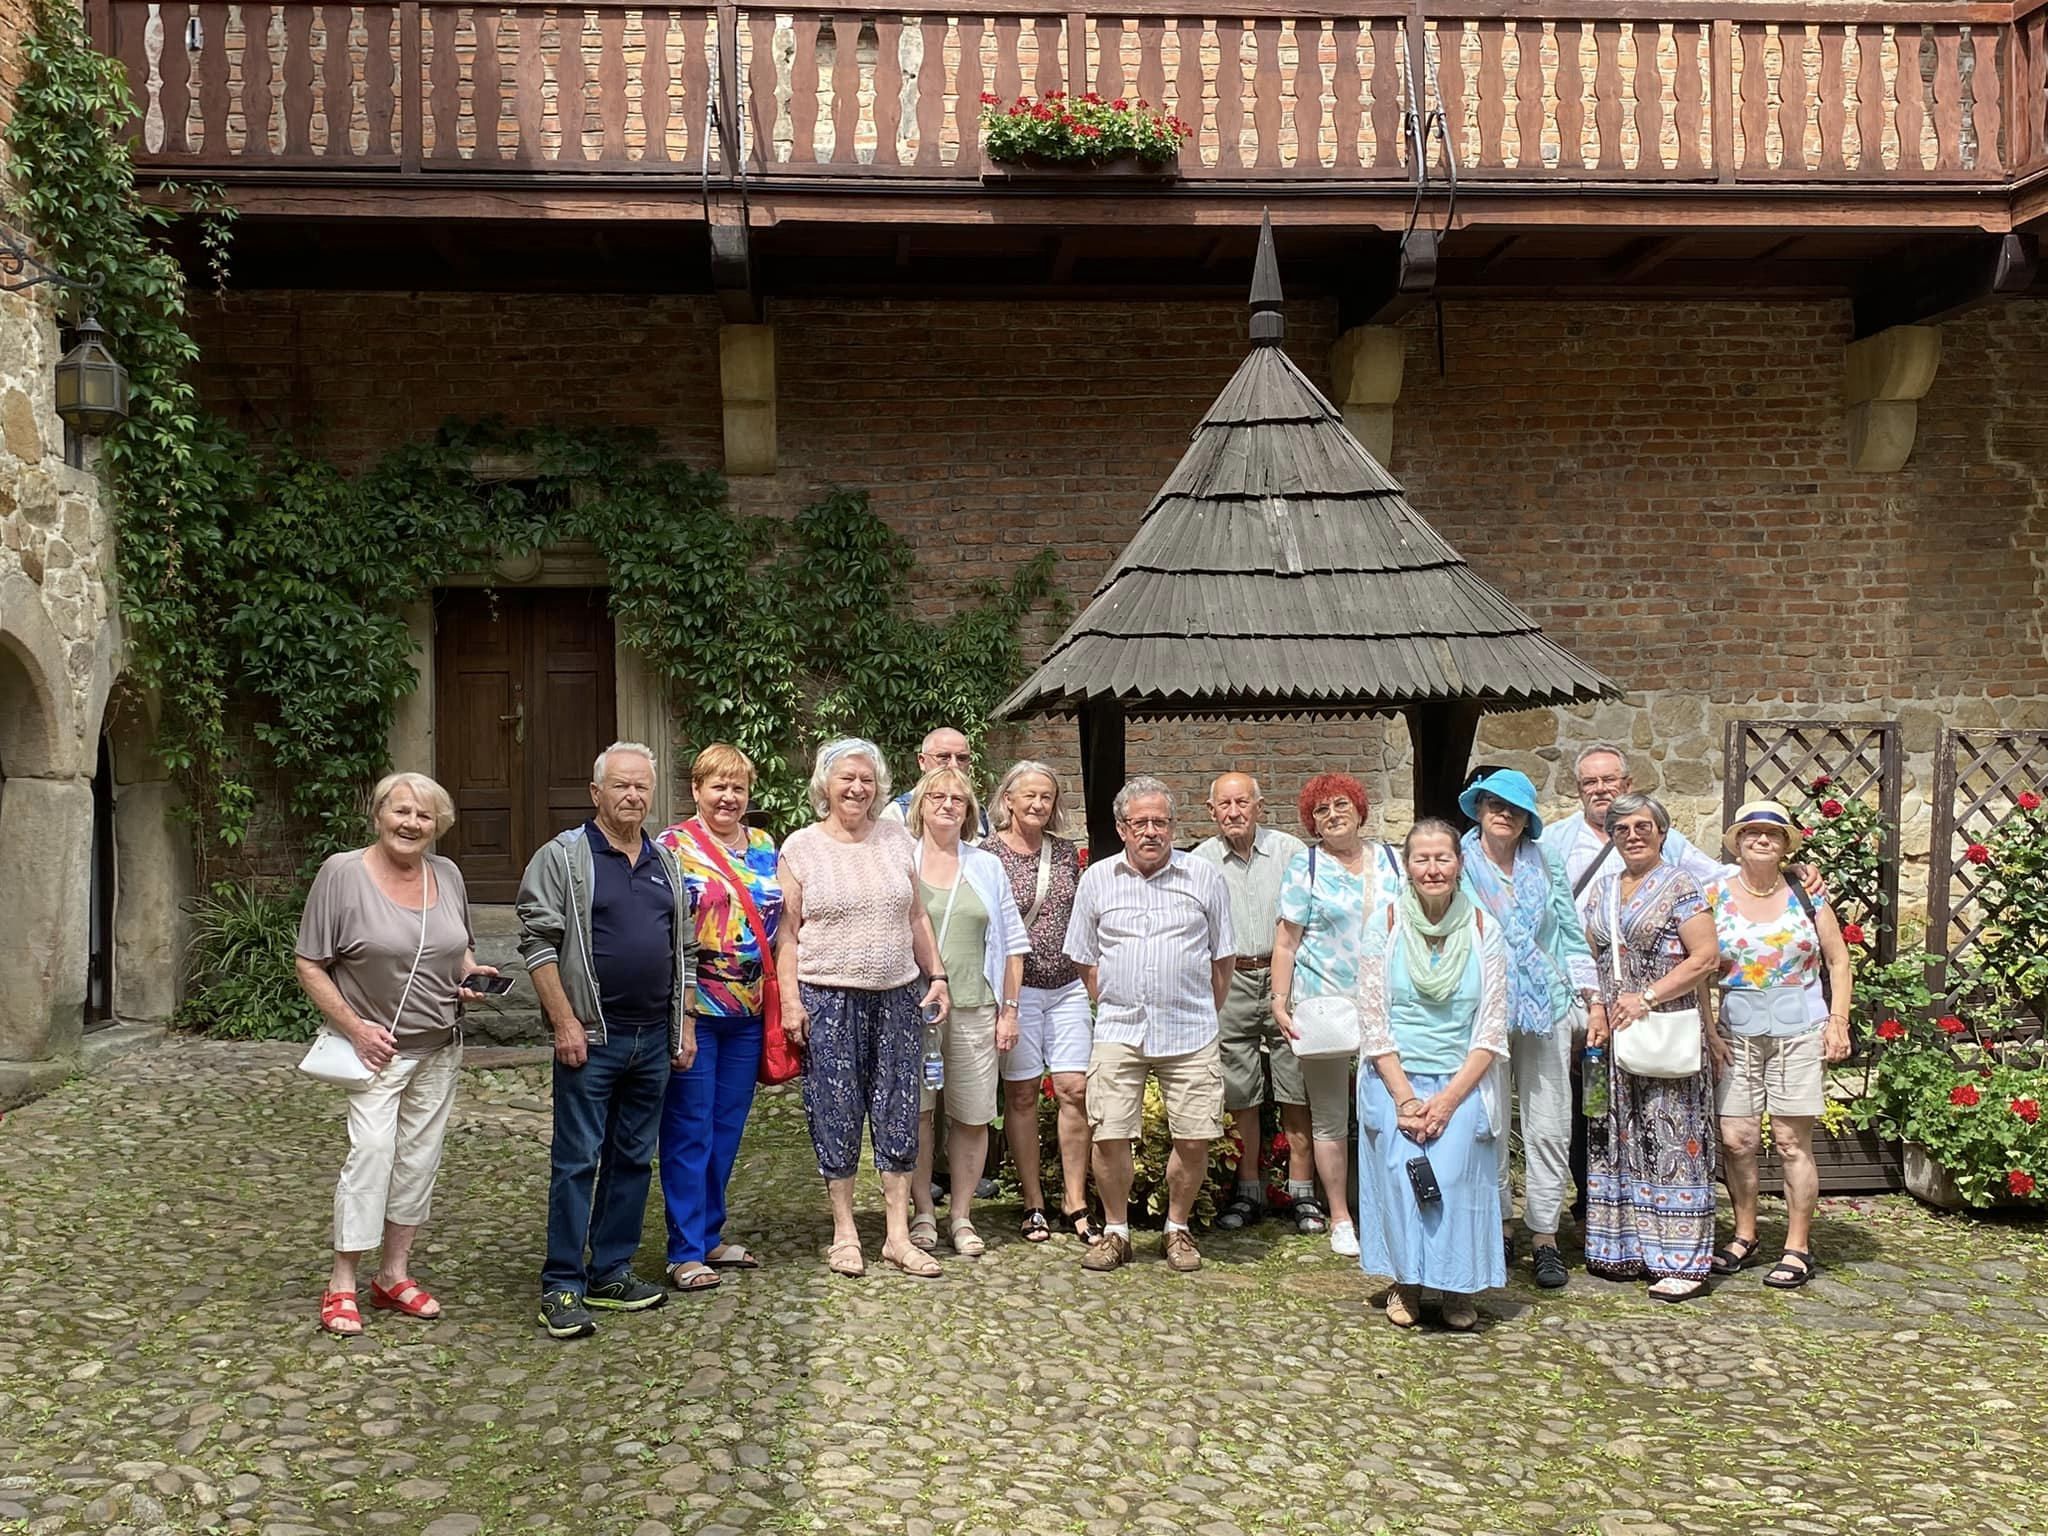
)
(1055, 1033)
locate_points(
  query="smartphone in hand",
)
(477, 981)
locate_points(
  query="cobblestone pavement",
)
(162, 1236)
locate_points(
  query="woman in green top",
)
(982, 945)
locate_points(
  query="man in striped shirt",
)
(1151, 934)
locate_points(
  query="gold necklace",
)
(1760, 895)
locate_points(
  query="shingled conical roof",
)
(1280, 570)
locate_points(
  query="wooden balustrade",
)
(1823, 92)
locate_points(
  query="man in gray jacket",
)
(606, 935)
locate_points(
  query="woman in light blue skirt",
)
(1433, 1015)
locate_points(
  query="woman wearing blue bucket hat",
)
(1552, 986)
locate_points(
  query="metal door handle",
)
(517, 720)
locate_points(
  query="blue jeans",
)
(701, 1121)
(607, 1114)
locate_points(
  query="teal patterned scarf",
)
(1436, 974)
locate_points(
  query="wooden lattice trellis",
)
(1778, 759)
(1978, 778)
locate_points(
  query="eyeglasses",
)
(1605, 781)
(945, 799)
(1149, 824)
(951, 759)
(1331, 808)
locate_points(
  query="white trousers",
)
(1541, 1074)
(395, 1130)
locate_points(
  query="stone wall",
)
(1664, 487)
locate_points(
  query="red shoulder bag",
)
(780, 1058)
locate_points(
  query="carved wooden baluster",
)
(1912, 112)
(803, 90)
(888, 88)
(444, 83)
(256, 78)
(1792, 96)
(1688, 115)
(1347, 92)
(338, 80)
(131, 46)
(1189, 105)
(1948, 98)
(1985, 116)
(1834, 101)
(2036, 94)
(845, 89)
(1571, 97)
(764, 89)
(1529, 95)
(529, 86)
(1229, 93)
(572, 85)
(379, 64)
(1649, 93)
(214, 94)
(1045, 37)
(1387, 98)
(1308, 92)
(174, 65)
(1493, 92)
(967, 89)
(1152, 61)
(929, 114)
(298, 80)
(1266, 93)
(1870, 99)
(1756, 98)
(1607, 109)
(1009, 61)
(655, 76)
(1109, 57)
(611, 86)
(1450, 69)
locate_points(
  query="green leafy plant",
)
(1845, 838)
(1078, 130)
(2012, 945)
(244, 978)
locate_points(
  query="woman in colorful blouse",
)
(1549, 972)
(1055, 1030)
(707, 1103)
(1433, 1026)
(1650, 1174)
(1782, 1028)
(1329, 896)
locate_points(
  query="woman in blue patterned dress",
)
(707, 1105)
(1650, 1176)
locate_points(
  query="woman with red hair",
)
(1327, 896)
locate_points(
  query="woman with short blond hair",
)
(728, 869)
(384, 946)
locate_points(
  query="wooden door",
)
(524, 698)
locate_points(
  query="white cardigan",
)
(984, 872)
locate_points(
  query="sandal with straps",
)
(1310, 1217)
(1034, 1226)
(846, 1259)
(408, 1296)
(1735, 1255)
(336, 1308)
(966, 1241)
(1082, 1225)
(1787, 1276)
(912, 1260)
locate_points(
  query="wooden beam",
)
(1102, 773)
(1641, 257)
(1972, 273)
(1064, 254)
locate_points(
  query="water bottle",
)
(1593, 1074)
(934, 1055)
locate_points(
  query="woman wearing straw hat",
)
(1784, 994)
(1550, 978)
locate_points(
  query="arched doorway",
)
(45, 828)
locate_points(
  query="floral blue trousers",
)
(865, 1060)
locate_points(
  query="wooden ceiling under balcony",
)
(1666, 147)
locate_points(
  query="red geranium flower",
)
(1852, 933)
(1280, 1144)
(1965, 1095)
(1119, 105)
(2029, 801)
(1891, 1029)
(2028, 1110)
(2019, 1182)
(1977, 853)
(1822, 781)
(989, 98)
(1949, 1024)
(1831, 808)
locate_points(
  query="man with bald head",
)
(1252, 859)
(943, 748)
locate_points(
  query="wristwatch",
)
(1650, 997)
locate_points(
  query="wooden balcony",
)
(1651, 117)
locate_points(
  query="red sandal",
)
(408, 1296)
(337, 1307)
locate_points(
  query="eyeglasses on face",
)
(1603, 781)
(1331, 808)
(1149, 823)
(951, 759)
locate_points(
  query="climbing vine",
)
(265, 591)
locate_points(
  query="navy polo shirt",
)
(632, 931)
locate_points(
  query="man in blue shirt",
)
(612, 962)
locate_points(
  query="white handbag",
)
(332, 1058)
(1325, 1027)
(1661, 1044)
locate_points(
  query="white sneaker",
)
(1344, 1240)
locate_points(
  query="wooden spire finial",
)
(1267, 325)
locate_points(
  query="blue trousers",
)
(864, 1061)
(607, 1116)
(701, 1120)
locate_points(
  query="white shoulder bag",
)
(1324, 1027)
(1658, 1044)
(332, 1059)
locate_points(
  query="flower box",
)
(1931, 1184)
(1124, 170)
(1849, 1162)
(1074, 140)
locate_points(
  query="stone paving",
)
(162, 1236)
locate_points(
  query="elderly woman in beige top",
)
(858, 961)
(384, 946)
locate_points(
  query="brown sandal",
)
(914, 1261)
(693, 1277)
(836, 1260)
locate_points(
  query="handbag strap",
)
(1044, 881)
(1827, 981)
(752, 913)
(952, 893)
(419, 950)
(1586, 878)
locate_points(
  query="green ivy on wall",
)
(270, 587)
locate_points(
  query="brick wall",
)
(1664, 487)
(13, 27)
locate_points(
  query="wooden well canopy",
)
(1281, 572)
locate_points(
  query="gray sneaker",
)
(626, 1294)
(564, 1316)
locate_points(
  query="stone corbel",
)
(746, 376)
(1365, 366)
(1884, 378)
